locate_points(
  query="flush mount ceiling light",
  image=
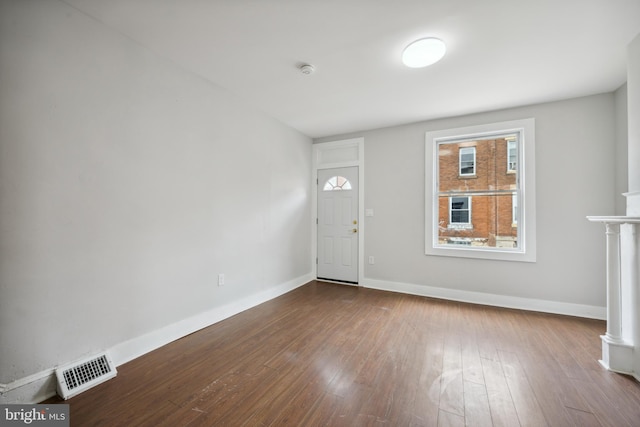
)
(423, 52)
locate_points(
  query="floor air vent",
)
(80, 376)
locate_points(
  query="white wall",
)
(633, 74)
(126, 185)
(575, 160)
(622, 149)
(633, 89)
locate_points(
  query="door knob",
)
(355, 230)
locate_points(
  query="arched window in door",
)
(337, 183)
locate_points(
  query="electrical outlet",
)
(371, 259)
(221, 279)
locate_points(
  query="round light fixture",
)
(423, 52)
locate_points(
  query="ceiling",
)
(500, 53)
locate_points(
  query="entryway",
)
(338, 225)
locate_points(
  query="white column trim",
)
(614, 328)
(620, 341)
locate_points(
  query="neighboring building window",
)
(459, 211)
(337, 183)
(495, 228)
(512, 155)
(467, 161)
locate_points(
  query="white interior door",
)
(338, 226)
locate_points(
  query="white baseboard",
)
(31, 389)
(42, 385)
(129, 350)
(570, 309)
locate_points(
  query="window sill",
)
(460, 227)
(479, 252)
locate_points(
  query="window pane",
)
(460, 203)
(337, 183)
(466, 168)
(484, 220)
(479, 209)
(485, 160)
(467, 160)
(460, 216)
(512, 155)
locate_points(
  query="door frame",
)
(331, 155)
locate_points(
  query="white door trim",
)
(338, 154)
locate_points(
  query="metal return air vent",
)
(80, 376)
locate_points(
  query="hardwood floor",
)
(337, 355)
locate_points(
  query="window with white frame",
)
(459, 211)
(502, 222)
(512, 155)
(467, 161)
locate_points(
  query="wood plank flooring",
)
(334, 355)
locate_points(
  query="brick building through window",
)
(478, 192)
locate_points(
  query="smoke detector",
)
(307, 69)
